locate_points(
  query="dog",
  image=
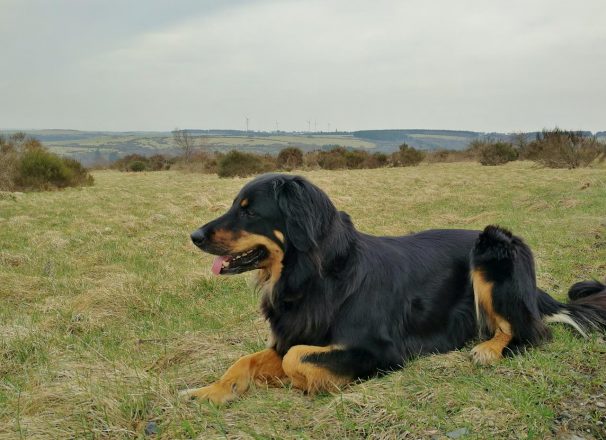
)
(345, 306)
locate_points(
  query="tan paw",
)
(217, 393)
(486, 353)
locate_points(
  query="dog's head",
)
(273, 215)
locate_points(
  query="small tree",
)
(519, 141)
(185, 141)
(407, 156)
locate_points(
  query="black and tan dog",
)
(344, 305)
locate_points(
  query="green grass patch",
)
(107, 310)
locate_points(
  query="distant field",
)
(107, 310)
(106, 146)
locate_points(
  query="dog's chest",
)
(293, 326)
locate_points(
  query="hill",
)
(94, 146)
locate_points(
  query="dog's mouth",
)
(241, 262)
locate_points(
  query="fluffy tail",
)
(586, 310)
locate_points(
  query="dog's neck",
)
(302, 270)
(303, 302)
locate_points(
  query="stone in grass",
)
(151, 428)
(457, 433)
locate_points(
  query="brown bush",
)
(137, 162)
(496, 153)
(158, 162)
(290, 158)
(199, 162)
(342, 158)
(564, 149)
(449, 156)
(237, 163)
(333, 159)
(376, 160)
(310, 160)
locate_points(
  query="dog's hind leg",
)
(490, 351)
(262, 367)
(506, 294)
(314, 369)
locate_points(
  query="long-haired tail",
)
(585, 311)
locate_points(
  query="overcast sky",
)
(154, 65)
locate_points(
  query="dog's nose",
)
(199, 237)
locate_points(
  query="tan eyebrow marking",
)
(279, 235)
(244, 203)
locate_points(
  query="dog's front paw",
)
(486, 354)
(217, 393)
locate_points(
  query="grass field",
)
(107, 310)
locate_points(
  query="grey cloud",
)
(480, 65)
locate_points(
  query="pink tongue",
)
(218, 263)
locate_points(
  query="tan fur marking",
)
(307, 376)
(271, 267)
(223, 237)
(490, 351)
(482, 291)
(244, 203)
(279, 235)
(262, 367)
(234, 243)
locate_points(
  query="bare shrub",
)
(564, 149)
(26, 165)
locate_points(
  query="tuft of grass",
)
(107, 310)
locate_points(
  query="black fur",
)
(586, 288)
(382, 300)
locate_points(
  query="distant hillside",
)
(429, 139)
(97, 146)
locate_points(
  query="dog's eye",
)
(247, 212)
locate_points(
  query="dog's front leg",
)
(312, 369)
(263, 366)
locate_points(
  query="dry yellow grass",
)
(107, 310)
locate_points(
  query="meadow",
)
(107, 311)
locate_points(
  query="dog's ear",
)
(307, 212)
